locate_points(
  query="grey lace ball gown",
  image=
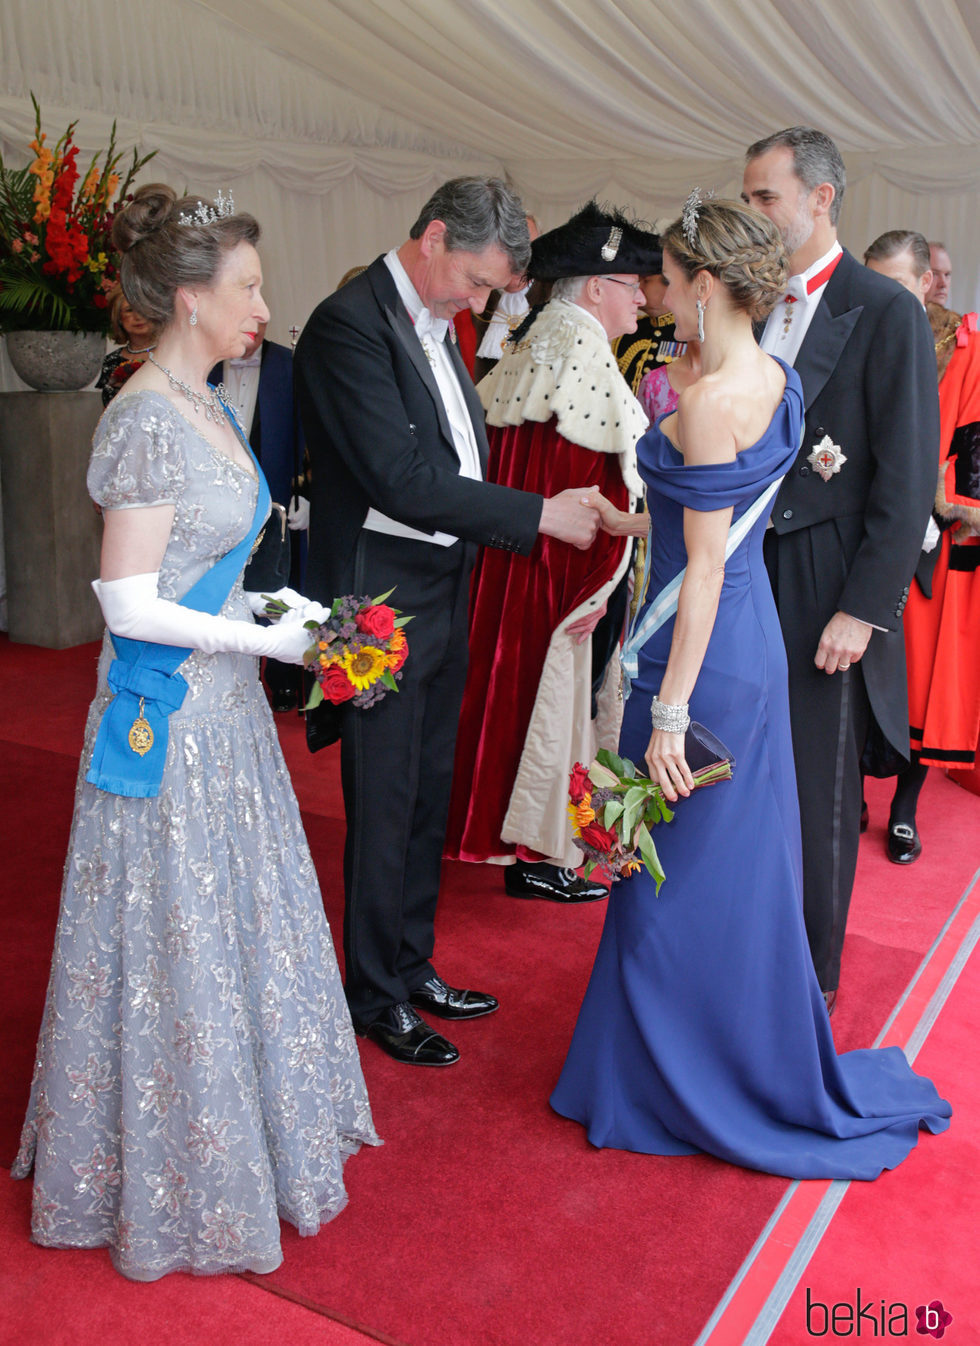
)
(197, 1075)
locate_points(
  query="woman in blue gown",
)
(703, 1027)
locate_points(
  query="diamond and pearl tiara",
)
(207, 214)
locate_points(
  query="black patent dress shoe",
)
(902, 844)
(830, 1000)
(406, 1036)
(447, 1002)
(548, 881)
(865, 817)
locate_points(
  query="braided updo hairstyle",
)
(738, 245)
(159, 253)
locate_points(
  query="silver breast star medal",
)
(141, 735)
(827, 458)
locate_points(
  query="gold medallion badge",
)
(141, 735)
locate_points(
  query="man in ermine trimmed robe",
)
(544, 626)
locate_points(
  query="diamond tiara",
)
(205, 214)
(690, 213)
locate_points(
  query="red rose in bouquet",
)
(579, 784)
(378, 621)
(337, 686)
(598, 837)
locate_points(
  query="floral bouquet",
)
(613, 806)
(357, 651)
(57, 263)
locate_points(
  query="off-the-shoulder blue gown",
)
(703, 1027)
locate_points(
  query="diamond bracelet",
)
(672, 719)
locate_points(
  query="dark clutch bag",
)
(702, 748)
(323, 724)
(268, 566)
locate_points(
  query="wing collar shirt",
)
(241, 379)
(431, 333)
(788, 323)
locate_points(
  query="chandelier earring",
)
(700, 308)
(193, 317)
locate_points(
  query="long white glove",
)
(257, 601)
(133, 608)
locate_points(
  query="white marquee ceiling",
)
(619, 79)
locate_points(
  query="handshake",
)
(577, 514)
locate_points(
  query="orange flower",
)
(581, 815)
(584, 813)
(397, 650)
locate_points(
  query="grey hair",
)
(816, 159)
(894, 243)
(569, 287)
(479, 213)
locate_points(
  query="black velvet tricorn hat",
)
(597, 241)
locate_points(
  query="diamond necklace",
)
(213, 410)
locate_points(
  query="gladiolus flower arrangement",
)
(57, 264)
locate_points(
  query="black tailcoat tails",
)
(850, 544)
(378, 435)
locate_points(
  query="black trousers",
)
(829, 717)
(396, 766)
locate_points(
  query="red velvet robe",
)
(516, 603)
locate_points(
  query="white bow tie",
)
(427, 325)
(247, 362)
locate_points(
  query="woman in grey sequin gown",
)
(197, 1075)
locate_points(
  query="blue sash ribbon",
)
(144, 679)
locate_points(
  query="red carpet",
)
(484, 1219)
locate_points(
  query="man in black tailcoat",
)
(397, 448)
(260, 386)
(849, 518)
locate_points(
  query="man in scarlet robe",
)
(544, 626)
(942, 618)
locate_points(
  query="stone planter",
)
(56, 361)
